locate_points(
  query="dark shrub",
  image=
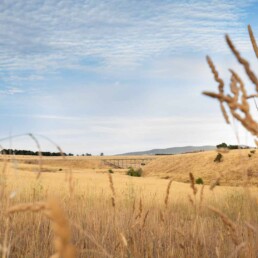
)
(110, 171)
(199, 181)
(218, 158)
(233, 147)
(134, 172)
(222, 145)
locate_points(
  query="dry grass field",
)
(99, 214)
(234, 169)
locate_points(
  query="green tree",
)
(222, 145)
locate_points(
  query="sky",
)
(118, 76)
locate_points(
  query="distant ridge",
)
(173, 150)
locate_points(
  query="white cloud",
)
(11, 91)
(48, 35)
(146, 50)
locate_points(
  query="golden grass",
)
(139, 226)
(77, 163)
(60, 225)
(233, 170)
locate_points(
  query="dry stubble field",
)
(73, 210)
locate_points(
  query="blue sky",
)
(117, 76)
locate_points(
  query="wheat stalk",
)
(167, 193)
(111, 185)
(239, 107)
(192, 184)
(145, 218)
(62, 241)
(140, 210)
(255, 47)
(60, 225)
(229, 223)
(201, 196)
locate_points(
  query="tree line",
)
(33, 153)
(231, 147)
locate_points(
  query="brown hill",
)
(235, 168)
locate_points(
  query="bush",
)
(218, 158)
(110, 171)
(252, 151)
(199, 181)
(222, 145)
(134, 172)
(233, 147)
(225, 146)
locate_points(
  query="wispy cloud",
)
(42, 36)
(11, 91)
(117, 75)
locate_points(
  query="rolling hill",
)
(172, 150)
(235, 168)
